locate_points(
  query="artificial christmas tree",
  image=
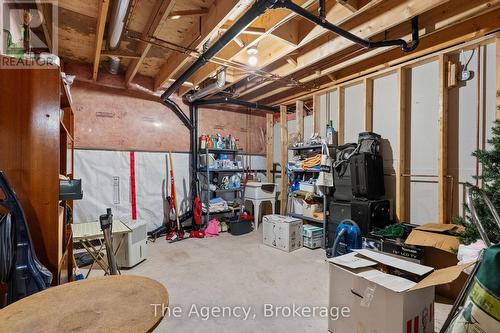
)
(490, 179)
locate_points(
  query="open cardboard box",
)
(380, 299)
(439, 252)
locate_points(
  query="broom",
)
(178, 234)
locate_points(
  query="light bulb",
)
(252, 60)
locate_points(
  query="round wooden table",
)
(118, 303)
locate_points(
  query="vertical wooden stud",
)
(443, 211)
(402, 194)
(269, 146)
(284, 157)
(368, 84)
(341, 115)
(316, 114)
(299, 121)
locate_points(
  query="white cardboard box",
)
(381, 302)
(282, 232)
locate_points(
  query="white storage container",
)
(282, 232)
(298, 206)
(259, 191)
(307, 187)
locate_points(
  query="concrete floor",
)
(240, 271)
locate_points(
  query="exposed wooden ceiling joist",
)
(174, 15)
(210, 23)
(268, 22)
(459, 32)
(161, 10)
(353, 5)
(388, 14)
(101, 23)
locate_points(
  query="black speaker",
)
(338, 211)
(369, 214)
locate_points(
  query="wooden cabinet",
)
(36, 146)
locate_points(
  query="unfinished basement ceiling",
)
(296, 57)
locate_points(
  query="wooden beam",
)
(393, 15)
(284, 158)
(316, 114)
(291, 60)
(368, 85)
(46, 23)
(402, 194)
(299, 120)
(372, 61)
(217, 14)
(174, 15)
(161, 10)
(443, 212)
(252, 35)
(353, 5)
(340, 115)
(101, 24)
(120, 54)
(497, 42)
(269, 146)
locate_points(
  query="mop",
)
(177, 234)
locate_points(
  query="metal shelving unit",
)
(207, 173)
(324, 221)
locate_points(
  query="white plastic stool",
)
(258, 193)
(256, 208)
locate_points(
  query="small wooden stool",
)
(118, 303)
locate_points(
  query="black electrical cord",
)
(6, 247)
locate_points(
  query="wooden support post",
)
(284, 157)
(269, 146)
(443, 211)
(316, 114)
(497, 40)
(101, 23)
(299, 120)
(402, 194)
(341, 115)
(368, 84)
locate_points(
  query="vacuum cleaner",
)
(347, 238)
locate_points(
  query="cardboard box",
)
(313, 243)
(383, 302)
(282, 232)
(310, 209)
(312, 231)
(439, 252)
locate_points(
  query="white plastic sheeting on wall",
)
(101, 171)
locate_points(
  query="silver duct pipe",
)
(117, 23)
(210, 89)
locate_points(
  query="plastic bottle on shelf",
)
(329, 133)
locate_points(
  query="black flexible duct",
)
(257, 9)
(346, 34)
(177, 110)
